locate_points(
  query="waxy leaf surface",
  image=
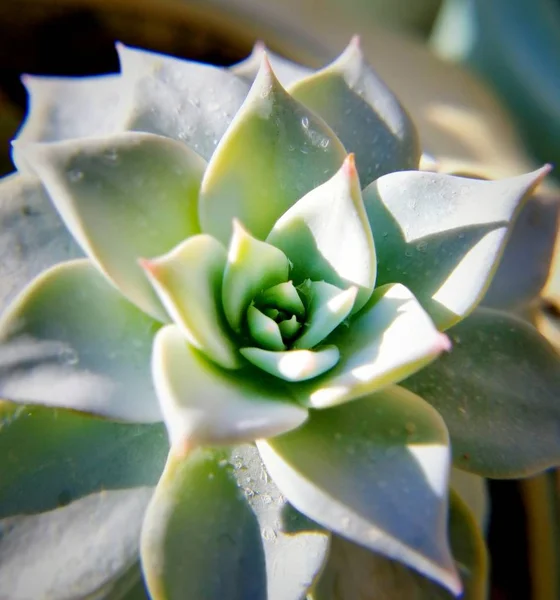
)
(71, 340)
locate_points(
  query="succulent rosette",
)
(264, 270)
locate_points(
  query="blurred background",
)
(481, 79)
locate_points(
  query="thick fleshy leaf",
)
(274, 152)
(473, 491)
(391, 338)
(63, 108)
(289, 328)
(252, 266)
(326, 235)
(364, 114)
(283, 296)
(264, 330)
(498, 394)
(71, 340)
(204, 404)
(72, 551)
(293, 365)
(355, 572)
(295, 548)
(123, 197)
(287, 71)
(188, 281)
(32, 236)
(442, 236)
(376, 475)
(200, 539)
(529, 252)
(184, 100)
(327, 307)
(51, 457)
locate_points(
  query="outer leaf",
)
(51, 457)
(204, 404)
(123, 197)
(188, 281)
(294, 365)
(187, 101)
(63, 108)
(295, 549)
(364, 114)
(326, 235)
(355, 572)
(71, 340)
(442, 236)
(376, 474)
(327, 307)
(528, 255)
(252, 266)
(32, 236)
(391, 338)
(498, 394)
(287, 71)
(274, 152)
(72, 552)
(200, 539)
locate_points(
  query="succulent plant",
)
(279, 305)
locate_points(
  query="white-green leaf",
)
(184, 100)
(287, 71)
(188, 281)
(200, 539)
(123, 197)
(264, 330)
(295, 548)
(32, 236)
(274, 152)
(252, 267)
(63, 108)
(72, 552)
(375, 474)
(71, 340)
(364, 114)
(498, 392)
(283, 296)
(326, 235)
(293, 365)
(442, 236)
(205, 404)
(327, 307)
(390, 339)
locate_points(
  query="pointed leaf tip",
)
(349, 165)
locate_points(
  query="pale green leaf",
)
(32, 236)
(289, 328)
(293, 365)
(375, 474)
(184, 100)
(442, 236)
(83, 550)
(263, 330)
(295, 548)
(123, 197)
(200, 539)
(327, 307)
(287, 71)
(252, 267)
(188, 281)
(498, 392)
(364, 114)
(391, 338)
(51, 457)
(353, 572)
(326, 235)
(473, 491)
(274, 152)
(205, 404)
(71, 340)
(63, 108)
(283, 296)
